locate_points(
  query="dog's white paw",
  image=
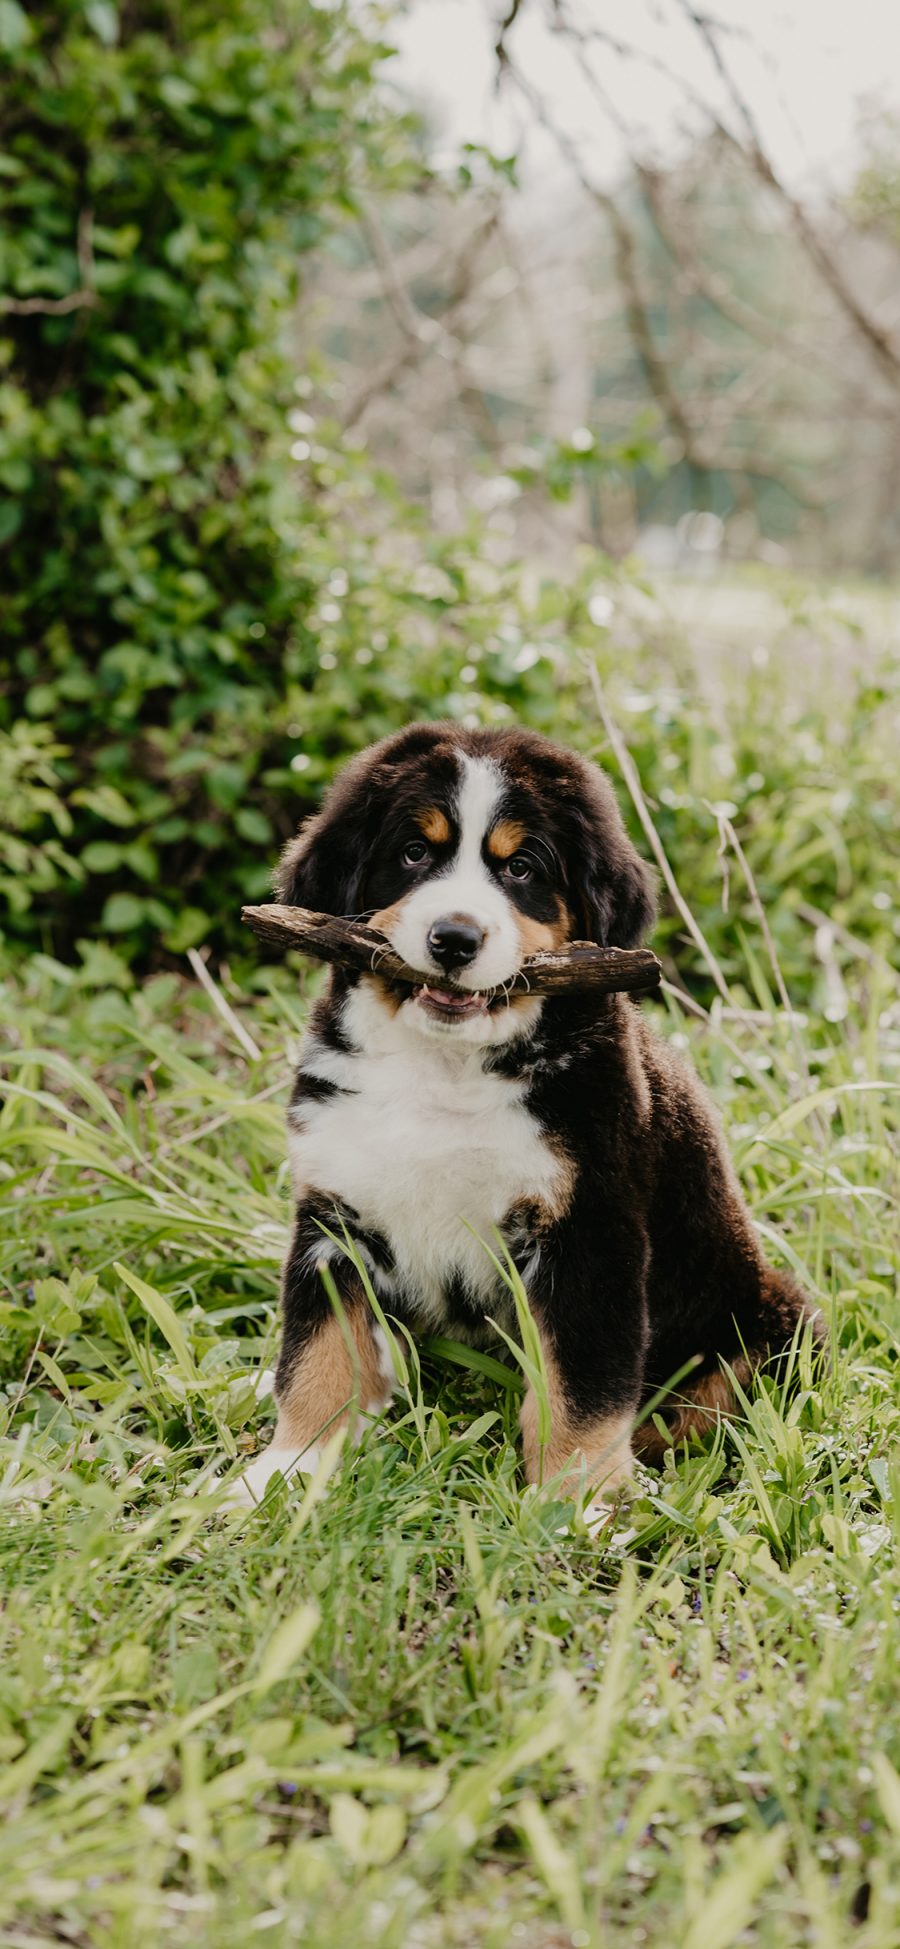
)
(599, 1514)
(602, 1508)
(248, 1490)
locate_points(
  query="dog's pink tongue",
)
(451, 997)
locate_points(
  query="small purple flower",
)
(865, 1826)
(287, 1786)
(743, 1673)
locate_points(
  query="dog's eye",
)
(519, 868)
(415, 852)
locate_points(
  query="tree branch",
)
(829, 270)
(582, 966)
(422, 334)
(84, 299)
(48, 307)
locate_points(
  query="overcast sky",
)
(807, 66)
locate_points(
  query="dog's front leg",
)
(334, 1366)
(589, 1304)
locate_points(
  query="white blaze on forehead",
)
(477, 803)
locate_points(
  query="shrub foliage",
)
(164, 166)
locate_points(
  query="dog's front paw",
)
(604, 1503)
(601, 1511)
(248, 1490)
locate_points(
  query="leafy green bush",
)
(162, 168)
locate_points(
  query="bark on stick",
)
(579, 968)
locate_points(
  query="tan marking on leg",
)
(505, 838)
(328, 1386)
(601, 1448)
(694, 1409)
(434, 824)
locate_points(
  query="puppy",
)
(426, 1119)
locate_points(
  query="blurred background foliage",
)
(297, 443)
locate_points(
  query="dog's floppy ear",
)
(623, 902)
(614, 890)
(323, 866)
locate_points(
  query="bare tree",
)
(472, 333)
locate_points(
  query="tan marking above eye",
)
(505, 838)
(435, 825)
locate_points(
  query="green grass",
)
(415, 1706)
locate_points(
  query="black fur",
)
(653, 1262)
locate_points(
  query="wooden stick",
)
(580, 967)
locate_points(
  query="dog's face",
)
(471, 850)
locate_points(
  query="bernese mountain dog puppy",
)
(427, 1120)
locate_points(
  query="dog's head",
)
(471, 850)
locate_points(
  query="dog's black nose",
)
(454, 942)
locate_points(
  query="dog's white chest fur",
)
(424, 1146)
